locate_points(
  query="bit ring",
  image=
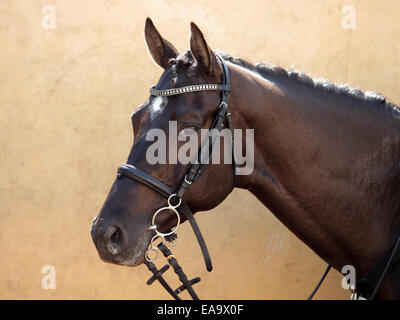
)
(158, 233)
(148, 258)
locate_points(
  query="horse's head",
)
(121, 230)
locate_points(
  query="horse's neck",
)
(321, 169)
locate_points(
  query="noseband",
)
(175, 199)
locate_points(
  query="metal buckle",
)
(223, 103)
(187, 181)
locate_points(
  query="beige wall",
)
(66, 96)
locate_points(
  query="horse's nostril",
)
(116, 237)
(113, 238)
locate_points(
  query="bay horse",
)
(326, 162)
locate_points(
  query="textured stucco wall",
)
(66, 96)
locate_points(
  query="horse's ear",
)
(205, 57)
(161, 50)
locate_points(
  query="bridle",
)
(175, 199)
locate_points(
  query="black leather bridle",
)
(175, 198)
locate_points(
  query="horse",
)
(326, 162)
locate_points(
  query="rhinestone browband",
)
(187, 89)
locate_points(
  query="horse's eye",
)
(188, 131)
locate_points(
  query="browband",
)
(187, 89)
